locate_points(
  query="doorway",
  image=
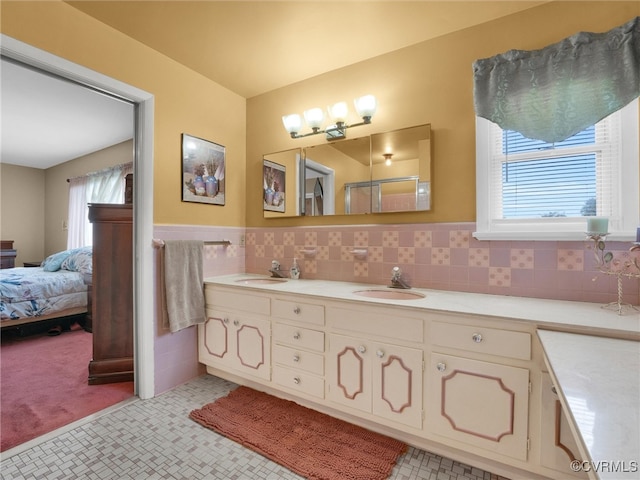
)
(143, 191)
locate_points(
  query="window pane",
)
(515, 142)
(552, 187)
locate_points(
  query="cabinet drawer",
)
(492, 341)
(380, 322)
(298, 337)
(297, 380)
(302, 312)
(299, 359)
(237, 301)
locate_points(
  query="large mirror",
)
(384, 172)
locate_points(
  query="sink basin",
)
(261, 281)
(390, 294)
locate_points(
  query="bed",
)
(58, 289)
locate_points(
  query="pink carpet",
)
(44, 385)
(310, 443)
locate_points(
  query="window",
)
(105, 186)
(532, 190)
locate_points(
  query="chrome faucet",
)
(276, 271)
(397, 281)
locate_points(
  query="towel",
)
(182, 270)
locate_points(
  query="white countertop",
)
(599, 385)
(553, 314)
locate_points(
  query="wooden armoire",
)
(112, 293)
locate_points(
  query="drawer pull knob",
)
(296, 335)
(297, 310)
(296, 380)
(296, 358)
(362, 349)
(225, 320)
(380, 353)
(236, 323)
(476, 337)
(553, 389)
(441, 366)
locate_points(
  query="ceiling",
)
(46, 121)
(249, 47)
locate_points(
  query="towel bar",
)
(157, 243)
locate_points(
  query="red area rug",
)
(309, 443)
(44, 385)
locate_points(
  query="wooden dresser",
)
(112, 299)
(7, 254)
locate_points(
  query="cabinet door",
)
(397, 384)
(252, 345)
(349, 375)
(558, 448)
(236, 341)
(479, 403)
(213, 339)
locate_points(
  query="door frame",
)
(143, 314)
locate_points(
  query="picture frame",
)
(273, 186)
(203, 170)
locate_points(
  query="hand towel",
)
(183, 284)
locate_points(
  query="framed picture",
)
(202, 171)
(273, 177)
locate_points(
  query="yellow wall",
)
(185, 102)
(430, 82)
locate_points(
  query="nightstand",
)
(32, 264)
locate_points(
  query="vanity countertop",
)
(584, 317)
(599, 380)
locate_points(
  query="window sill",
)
(548, 236)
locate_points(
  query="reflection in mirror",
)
(281, 183)
(330, 169)
(401, 170)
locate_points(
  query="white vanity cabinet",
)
(558, 447)
(236, 334)
(480, 403)
(375, 376)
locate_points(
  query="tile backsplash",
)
(441, 256)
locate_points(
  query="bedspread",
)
(33, 292)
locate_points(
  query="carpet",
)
(309, 443)
(44, 384)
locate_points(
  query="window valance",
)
(553, 93)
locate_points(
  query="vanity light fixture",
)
(387, 158)
(314, 117)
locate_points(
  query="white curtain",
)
(554, 93)
(105, 186)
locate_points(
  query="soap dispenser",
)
(294, 271)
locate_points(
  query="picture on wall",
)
(202, 171)
(273, 176)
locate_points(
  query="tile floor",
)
(155, 439)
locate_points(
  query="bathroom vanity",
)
(461, 375)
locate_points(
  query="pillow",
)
(53, 262)
(79, 260)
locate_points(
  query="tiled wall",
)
(442, 256)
